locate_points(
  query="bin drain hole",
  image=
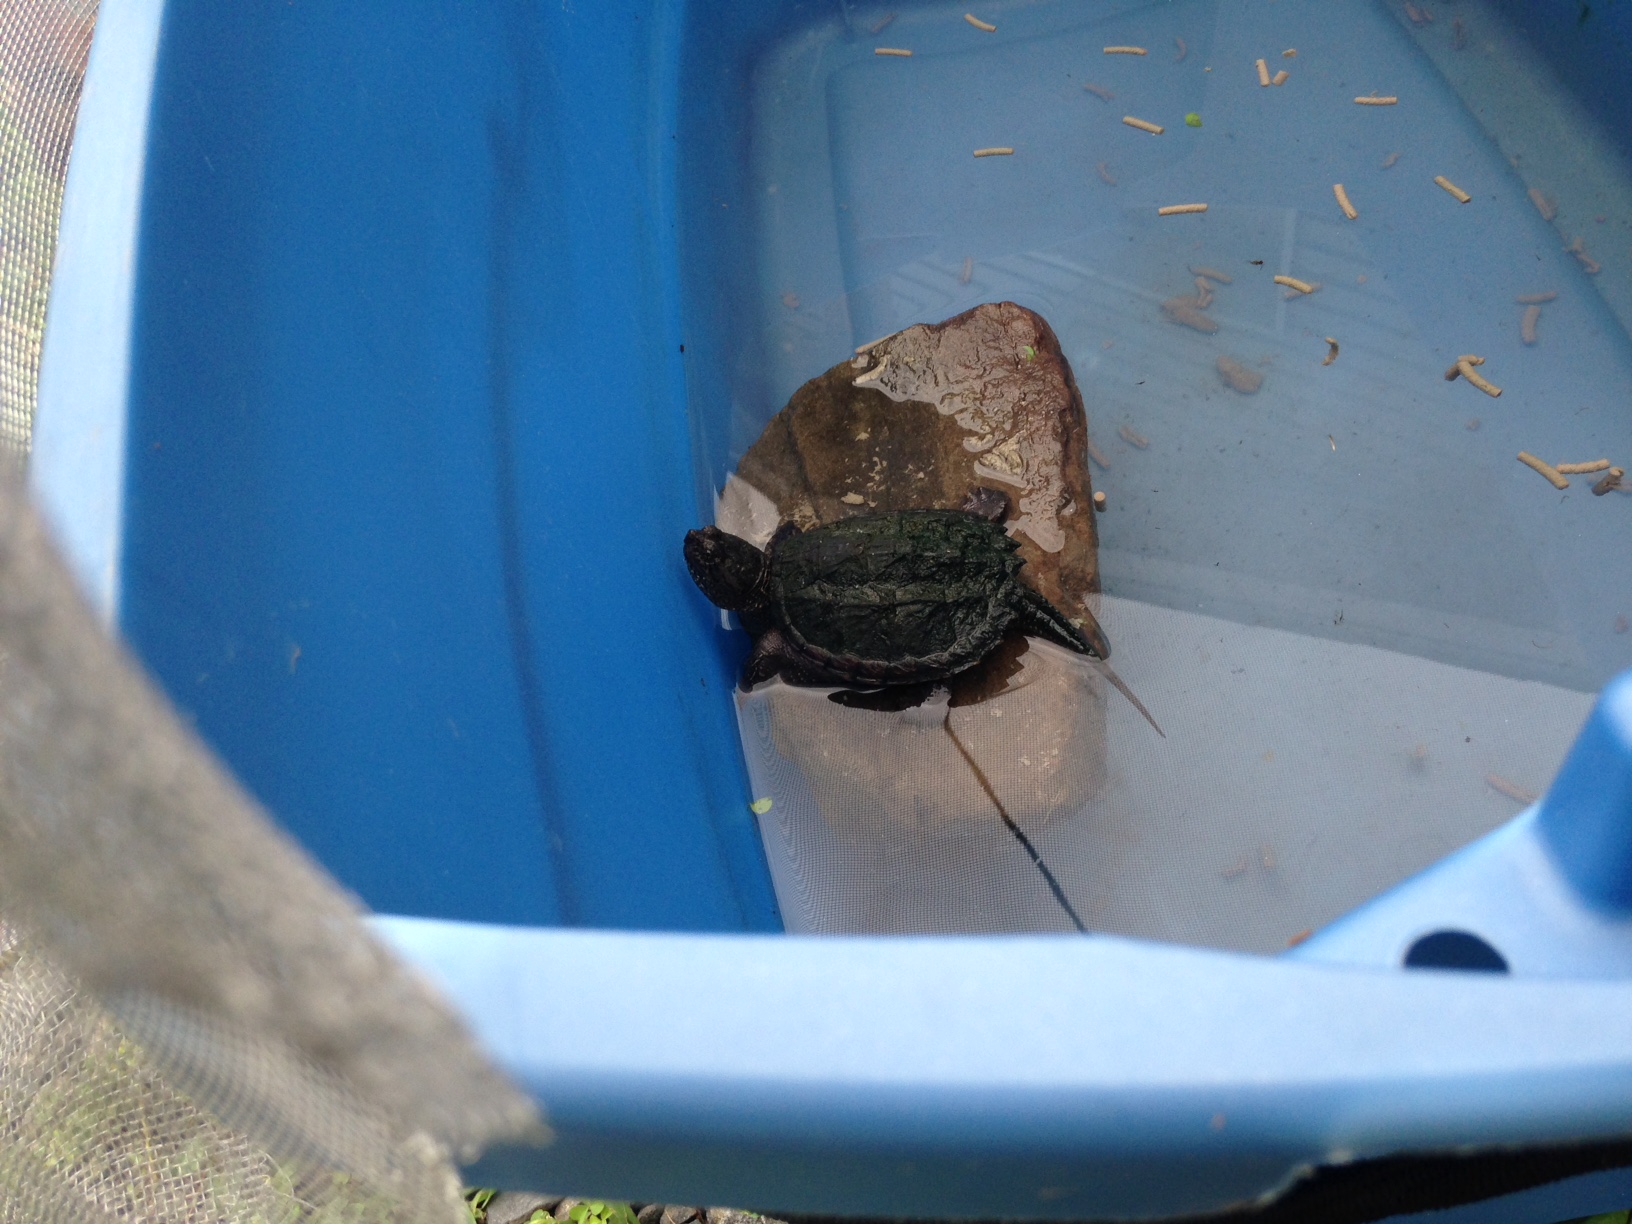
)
(1454, 950)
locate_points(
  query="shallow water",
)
(1346, 601)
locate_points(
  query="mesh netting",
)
(194, 1023)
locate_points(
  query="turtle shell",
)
(914, 594)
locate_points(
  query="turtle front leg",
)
(1037, 617)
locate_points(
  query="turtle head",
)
(726, 568)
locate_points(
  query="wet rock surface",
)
(923, 417)
(918, 420)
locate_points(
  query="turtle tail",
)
(1039, 618)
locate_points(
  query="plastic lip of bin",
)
(1035, 1076)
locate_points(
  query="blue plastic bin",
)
(391, 350)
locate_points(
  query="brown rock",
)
(918, 420)
(923, 417)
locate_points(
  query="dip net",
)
(195, 1023)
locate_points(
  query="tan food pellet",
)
(1349, 209)
(1144, 125)
(978, 23)
(1099, 91)
(1263, 72)
(1462, 197)
(1581, 469)
(1105, 174)
(1544, 205)
(1390, 160)
(1377, 100)
(1289, 53)
(1099, 501)
(1184, 310)
(1545, 468)
(891, 51)
(1331, 354)
(1511, 789)
(1578, 248)
(1292, 282)
(1527, 325)
(1281, 77)
(1127, 434)
(1126, 51)
(1465, 368)
(1211, 274)
(1173, 210)
(1535, 299)
(1238, 377)
(995, 151)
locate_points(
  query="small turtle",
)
(875, 600)
(906, 597)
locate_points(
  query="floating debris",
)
(1292, 282)
(1418, 16)
(1238, 377)
(790, 299)
(1545, 468)
(1097, 457)
(1349, 209)
(1301, 937)
(1126, 51)
(968, 272)
(1183, 50)
(1192, 120)
(1174, 210)
(1459, 34)
(1290, 53)
(1611, 480)
(1330, 357)
(1128, 435)
(1535, 299)
(1462, 197)
(760, 806)
(1099, 91)
(1211, 274)
(978, 23)
(996, 151)
(1105, 174)
(1144, 125)
(1581, 469)
(1204, 293)
(1390, 160)
(1544, 203)
(878, 26)
(1527, 325)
